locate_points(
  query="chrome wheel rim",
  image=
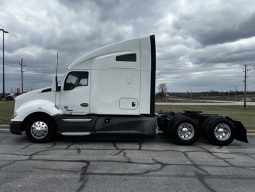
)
(39, 129)
(186, 131)
(222, 131)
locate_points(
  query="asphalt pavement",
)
(124, 164)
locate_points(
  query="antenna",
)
(56, 82)
(57, 65)
(56, 76)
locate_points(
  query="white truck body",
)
(116, 80)
(112, 90)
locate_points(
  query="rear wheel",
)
(220, 131)
(205, 124)
(184, 131)
(40, 129)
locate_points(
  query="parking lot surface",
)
(124, 164)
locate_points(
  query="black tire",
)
(205, 124)
(222, 138)
(40, 136)
(181, 122)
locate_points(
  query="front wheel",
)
(40, 129)
(184, 130)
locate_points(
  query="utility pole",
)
(245, 83)
(3, 62)
(21, 72)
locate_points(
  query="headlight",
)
(14, 115)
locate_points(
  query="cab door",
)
(75, 93)
(74, 102)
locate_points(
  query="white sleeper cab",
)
(109, 90)
(112, 90)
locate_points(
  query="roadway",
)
(124, 164)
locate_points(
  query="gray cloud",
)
(200, 44)
(228, 33)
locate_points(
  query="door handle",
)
(84, 104)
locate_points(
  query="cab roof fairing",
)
(119, 47)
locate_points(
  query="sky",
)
(201, 45)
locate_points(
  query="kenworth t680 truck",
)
(112, 90)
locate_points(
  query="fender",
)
(241, 132)
(34, 106)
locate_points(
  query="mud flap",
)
(241, 132)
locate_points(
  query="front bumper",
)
(15, 127)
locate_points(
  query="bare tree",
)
(162, 90)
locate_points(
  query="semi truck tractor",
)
(112, 91)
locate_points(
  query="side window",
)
(75, 79)
(127, 57)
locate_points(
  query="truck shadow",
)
(105, 138)
(159, 138)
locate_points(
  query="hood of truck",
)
(32, 95)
